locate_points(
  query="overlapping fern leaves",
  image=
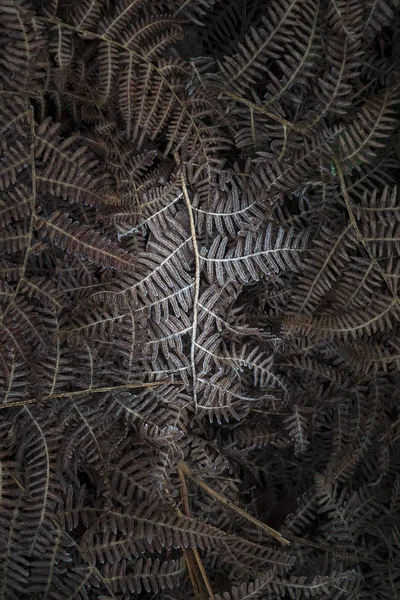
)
(199, 300)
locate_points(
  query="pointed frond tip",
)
(83, 241)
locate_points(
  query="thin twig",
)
(272, 532)
(186, 510)
(115, 388)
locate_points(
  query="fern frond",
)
(369, 131)
(108, 71)
(379, 317)
(148, 575)
(150, 532)
(346, 17)
(219, 396)
(22, 65)
(249, 65)
(73, 238)
(113, 25)
(39, 491)
(300, 57)
(61, 46)
(297, 426)
(68, 171)
(253, 255)
(339, 583)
